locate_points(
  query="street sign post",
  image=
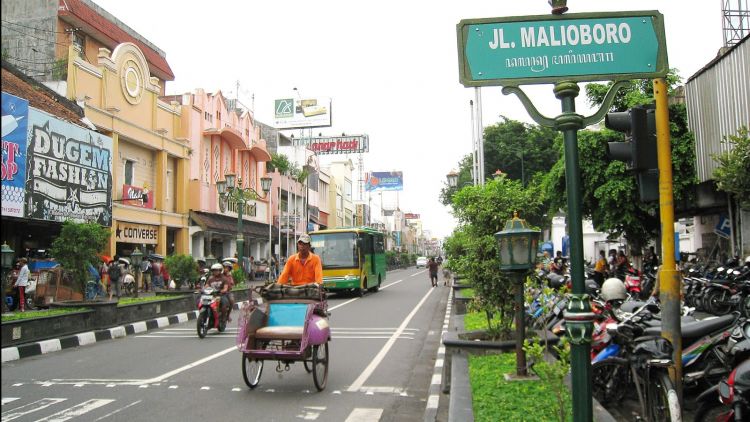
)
(547, 48)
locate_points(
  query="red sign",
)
(410, 216)
(134, 196)
(337, 144)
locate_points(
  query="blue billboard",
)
(15, 118)
(384, 180)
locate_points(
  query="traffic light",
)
(639, 149)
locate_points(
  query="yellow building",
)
(150, 152)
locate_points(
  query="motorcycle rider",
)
(304, 267)
(228, 265)
(220, 282)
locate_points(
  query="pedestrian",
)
(115, 275)
(446, 276)
(621, 263)
(252, 268)
(104, 273)
(156, 278)
(432, 266)
(612, 261)
(146, 265)
(558, 264)
(273, 264)
(651, 260)
(165, 278)
(21, 282)
(600, 269)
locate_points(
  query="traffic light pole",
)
(670, 280)
(578, 316)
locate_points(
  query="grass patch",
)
(39, 313)
(478, 321)
(131, 300)
(495, 399)
(467, 293)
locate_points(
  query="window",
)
(129, 168)
(79, 40)
(169, 179)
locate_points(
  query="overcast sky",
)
(390, 67)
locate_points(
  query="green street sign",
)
(550, 48)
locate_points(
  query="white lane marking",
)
(342, 304)
(390, 284)
(416, 274)
(236, 389)
(357, 329)
(167, 330)
(361, 414)
(162, 377)
(311, 413)
(357, 384)
(18, 384)
(205, 388)
(116, 411)
(7, 400)
(433, 401)
(172, 387)
(79, 385)
(184, 336)
(16, 413)
(143, 386)
(77, 410)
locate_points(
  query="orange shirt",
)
(309, 272)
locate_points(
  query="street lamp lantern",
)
(517, 244)
(230, 178)
(265, 183)
(221, 186)
(452, 178)
(136, 257)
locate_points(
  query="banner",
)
(411, 216)
(336, 144)
(136, 233)
(69, 172)
(292, 113)
(15, 118)
(388, 180)
(134, 195)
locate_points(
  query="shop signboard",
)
(15, 118)
(510, 51)
(326, 145)
(136, 233)
(384, 180)
(69, 171)
(135, 195)
(411, 216)
(295, 113)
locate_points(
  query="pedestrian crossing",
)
(60, 409)
(337, 333)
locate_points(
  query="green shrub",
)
(181, 268)
(78, 245)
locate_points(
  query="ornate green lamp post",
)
(7, 263)
(265, 184)
(210, 260)
(517, 245)
(452, 178)
(136, 257)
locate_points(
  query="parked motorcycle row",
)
(629, 356)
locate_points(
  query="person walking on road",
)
(432, 266)
(115, 275)
(21, 282)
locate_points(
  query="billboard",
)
(69, 171)
(336, 144)
(411, 216)
(15, 118)
(293, 113)
(384, 180)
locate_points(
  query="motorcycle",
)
(210, 312)
(732, 394)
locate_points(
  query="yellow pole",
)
(670, 279)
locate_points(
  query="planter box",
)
(460, 303)
(36, 329)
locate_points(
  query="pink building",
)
(223, 140)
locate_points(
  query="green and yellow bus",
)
(353, 258)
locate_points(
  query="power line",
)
(40, 29)
(39, 38)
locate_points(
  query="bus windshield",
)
(336, 250)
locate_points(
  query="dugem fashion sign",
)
(547, 48)
(69, 171)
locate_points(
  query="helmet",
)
(227, 264)
(613, 289)
(217, 267)
(124, 261)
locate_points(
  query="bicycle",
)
(645, 364)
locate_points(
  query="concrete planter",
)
(460, 303)
(36, 329)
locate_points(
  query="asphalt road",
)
(382, 358)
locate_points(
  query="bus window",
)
(336, 250)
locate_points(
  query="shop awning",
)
(228, 225)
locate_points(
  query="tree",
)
(472, 248)
(733, 174)
(181, 268)
(609, 191)
(78, 245)
(517, 149)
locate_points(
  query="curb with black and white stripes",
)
(433, 392)
(53, 345)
